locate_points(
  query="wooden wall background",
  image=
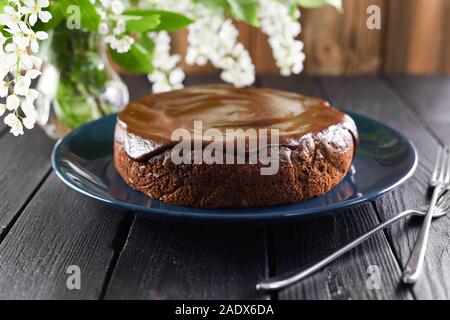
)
(414, 39)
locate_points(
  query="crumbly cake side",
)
(314, 167)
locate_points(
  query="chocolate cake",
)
(315, 148)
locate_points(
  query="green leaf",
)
(3, 3)
(90, 19)
(146, 42)
(143, 24)
(319, 3)
(168, 21)
(245, 10)
(73, 106)
(138, 59)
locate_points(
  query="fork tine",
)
(447, 167)
(437, 165)
(443, 165)
(444, 202)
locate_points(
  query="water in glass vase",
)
(78, 84)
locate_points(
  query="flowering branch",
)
(166, 76)
(19, 40)
(282, 28)
(113, 26)
(213, 38)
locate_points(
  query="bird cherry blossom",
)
(18, 64)
(166, 76)
(113, 26)
(34, 10)
(213, 38)
(282, 30)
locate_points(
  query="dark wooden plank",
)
(45, 239)
(430, 98)
(306, 241)
(372, 96)
(170, 260)
(24, 163)
(59, 228)
(3, 127)
(301, 243)
(2, 123)
(181, 260)
(46, 227)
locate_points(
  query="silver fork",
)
(439, 180)
(289, 278)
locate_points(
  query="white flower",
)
(29, 110)
(12, 103)
(102, 13)
(32, 95)
(33, 38)
(4, 89)
(15, 54)
(112, 27)
(17, 43)
(111, 40)
(103, 28)
(120, 27)
(117, 7)
(33, 74)
(176, 76)
(122, 45)
(105, 3)
(36, 62)
(10, 18)
(29, 122)
(34, 9)
(213, 38)
(12, 121)
(19, 36)
(2, 40)
(22, 85)
(3, 72)
(165, 76)
(282, 30)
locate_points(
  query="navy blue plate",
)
(384, 160)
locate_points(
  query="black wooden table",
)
(45, 226)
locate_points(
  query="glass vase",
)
(78, 84)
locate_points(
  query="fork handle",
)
(289, 278)
(414, 266)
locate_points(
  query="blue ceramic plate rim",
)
(221, 214)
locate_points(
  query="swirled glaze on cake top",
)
(150, 121)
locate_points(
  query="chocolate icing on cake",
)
(148, 123)
(317, 146)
